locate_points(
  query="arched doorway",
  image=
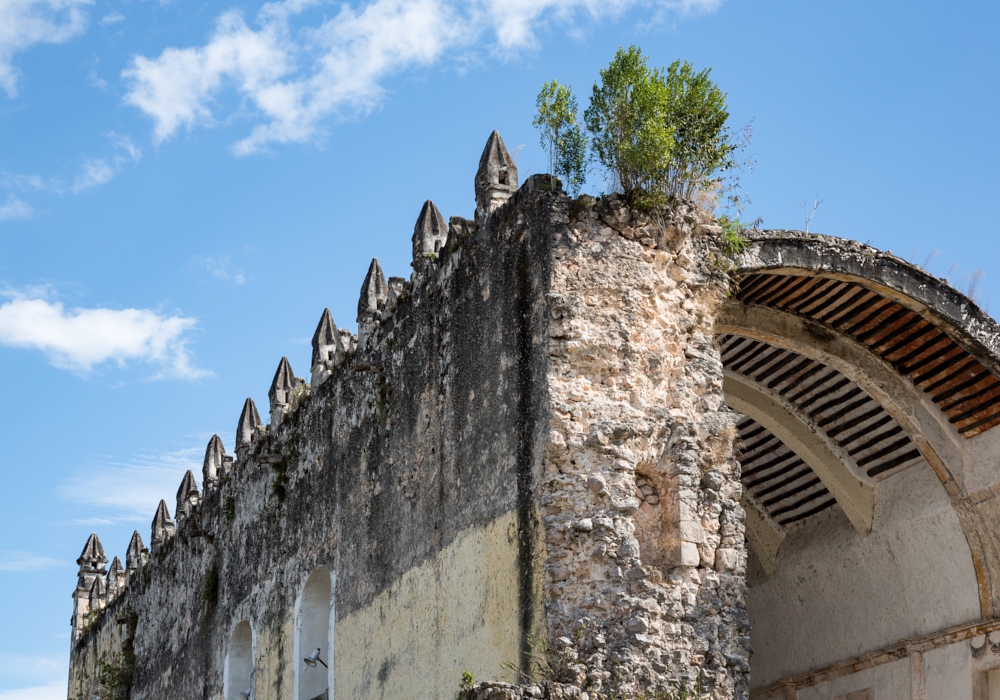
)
(238, 674)
(870, 392)
(314, 621)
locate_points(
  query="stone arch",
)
(870, 391)
(314, 629)
(238, 676)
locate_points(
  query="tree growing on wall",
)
(696, 110)
(627, 120)
(561, 137)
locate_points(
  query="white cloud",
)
(14, 209)
(81, 339)
(113, 18)
(220, 268)
(100, 171)
(13, 560)
(298, 76)
(95, 172)
(24, 23)
(130, 491)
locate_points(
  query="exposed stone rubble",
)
(627, 499)
(640, 494)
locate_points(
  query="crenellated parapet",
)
(460, 477)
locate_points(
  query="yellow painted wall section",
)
(456, 612)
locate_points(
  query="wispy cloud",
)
(80, 339)
(14, 560)
(219, 267)
(296, 76)
(113, 18)
(93, 173)
(14, 208)
(45, 675)
(100, 171)
(56, 690)
(130, 491)
(24, 23)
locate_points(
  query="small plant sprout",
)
(810, 214)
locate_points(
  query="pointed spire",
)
(496, 179)
(116, 578)
(92, 558)
(283, 386)
(247, 428)
(135, 556)
(188, 496)
(217, 463)
(373, 292)
(429, 235)
(98, 592)
(324, 340)
(163, 526)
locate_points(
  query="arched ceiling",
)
(877, 362)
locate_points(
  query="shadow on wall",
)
(314, 621)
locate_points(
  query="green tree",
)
(627, 119)
(697, 112)
(561, 137)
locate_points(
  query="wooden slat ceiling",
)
(787, 488)
(966, 391)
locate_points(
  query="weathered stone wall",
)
(640, 490)
(408, 472)
(526, 472)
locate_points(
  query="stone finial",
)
(282, 389)
(374, 291)
(429, 235)
(98, 594)
(188, 497)
(496, 179)
(163, 526)
(324, 342)
(374, 294)
(247, 428)
(216, 465)
(116, 579)
(135, 556)
(92, 559)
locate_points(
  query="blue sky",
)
(184, 186)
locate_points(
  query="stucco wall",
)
(408, 473)
(836, 595)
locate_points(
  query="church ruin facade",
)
(587, 452)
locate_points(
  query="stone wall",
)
(640, 491)
(524, 472)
